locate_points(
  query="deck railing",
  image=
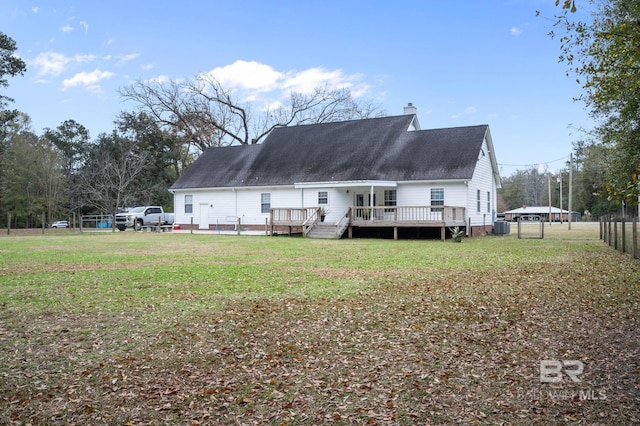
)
(292, 217)
(306, 218)
(408, 214)
(343, 223)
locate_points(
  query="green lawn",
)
(169, 328)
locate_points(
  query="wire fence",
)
(531, 227)
(621, 233)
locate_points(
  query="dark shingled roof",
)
(370, 149)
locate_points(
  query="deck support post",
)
(395, 232)
(443, 233)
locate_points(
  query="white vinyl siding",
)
(483, 182)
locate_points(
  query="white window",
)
(488, 201)
(437, 196)
(323, 197)
(265, 200)
(390, 197)
(478, 200)
(188, 203)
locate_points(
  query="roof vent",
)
(410, 109)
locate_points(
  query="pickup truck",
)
(138, 217)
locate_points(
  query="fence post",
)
(624, 236)
(609, 232)
(191, 227)
(634, 236)
(238, 227)
(615, 234)
(601, 226)
(8, 223)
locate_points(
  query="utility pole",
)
(561, 214)
(570, 186)
(549, 181)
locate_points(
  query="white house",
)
(371, 177)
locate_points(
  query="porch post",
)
(271, 220)
(443, 233)
(371, 205)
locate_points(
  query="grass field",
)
(142, 328)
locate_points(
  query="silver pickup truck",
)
(138, 217)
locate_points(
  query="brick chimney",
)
(410, 109)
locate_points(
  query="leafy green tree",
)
(10, 66)
(168, 154)
(72, 140)
(525, 187)
(33, 181)
(604, 54)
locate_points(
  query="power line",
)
(533, 164)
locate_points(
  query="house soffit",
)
(346, 184)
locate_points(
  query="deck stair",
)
(321, 230)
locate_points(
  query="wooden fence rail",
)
(621, 233)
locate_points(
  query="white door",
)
(204, 217)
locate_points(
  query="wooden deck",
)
(381, 217)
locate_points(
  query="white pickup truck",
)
(138, 217)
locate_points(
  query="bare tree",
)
(108, 178)
(206, 114)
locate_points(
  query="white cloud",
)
(146, 67)
(66, 29)
(50, 64)
(160, 79)
(257, 81)
(246, 75)
(126, 58)
(515, 31)
(307, 80)
(34, 9)
(84, 58)
(467, 111)
(84, 25)
(89, 81)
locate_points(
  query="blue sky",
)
(463, 62)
